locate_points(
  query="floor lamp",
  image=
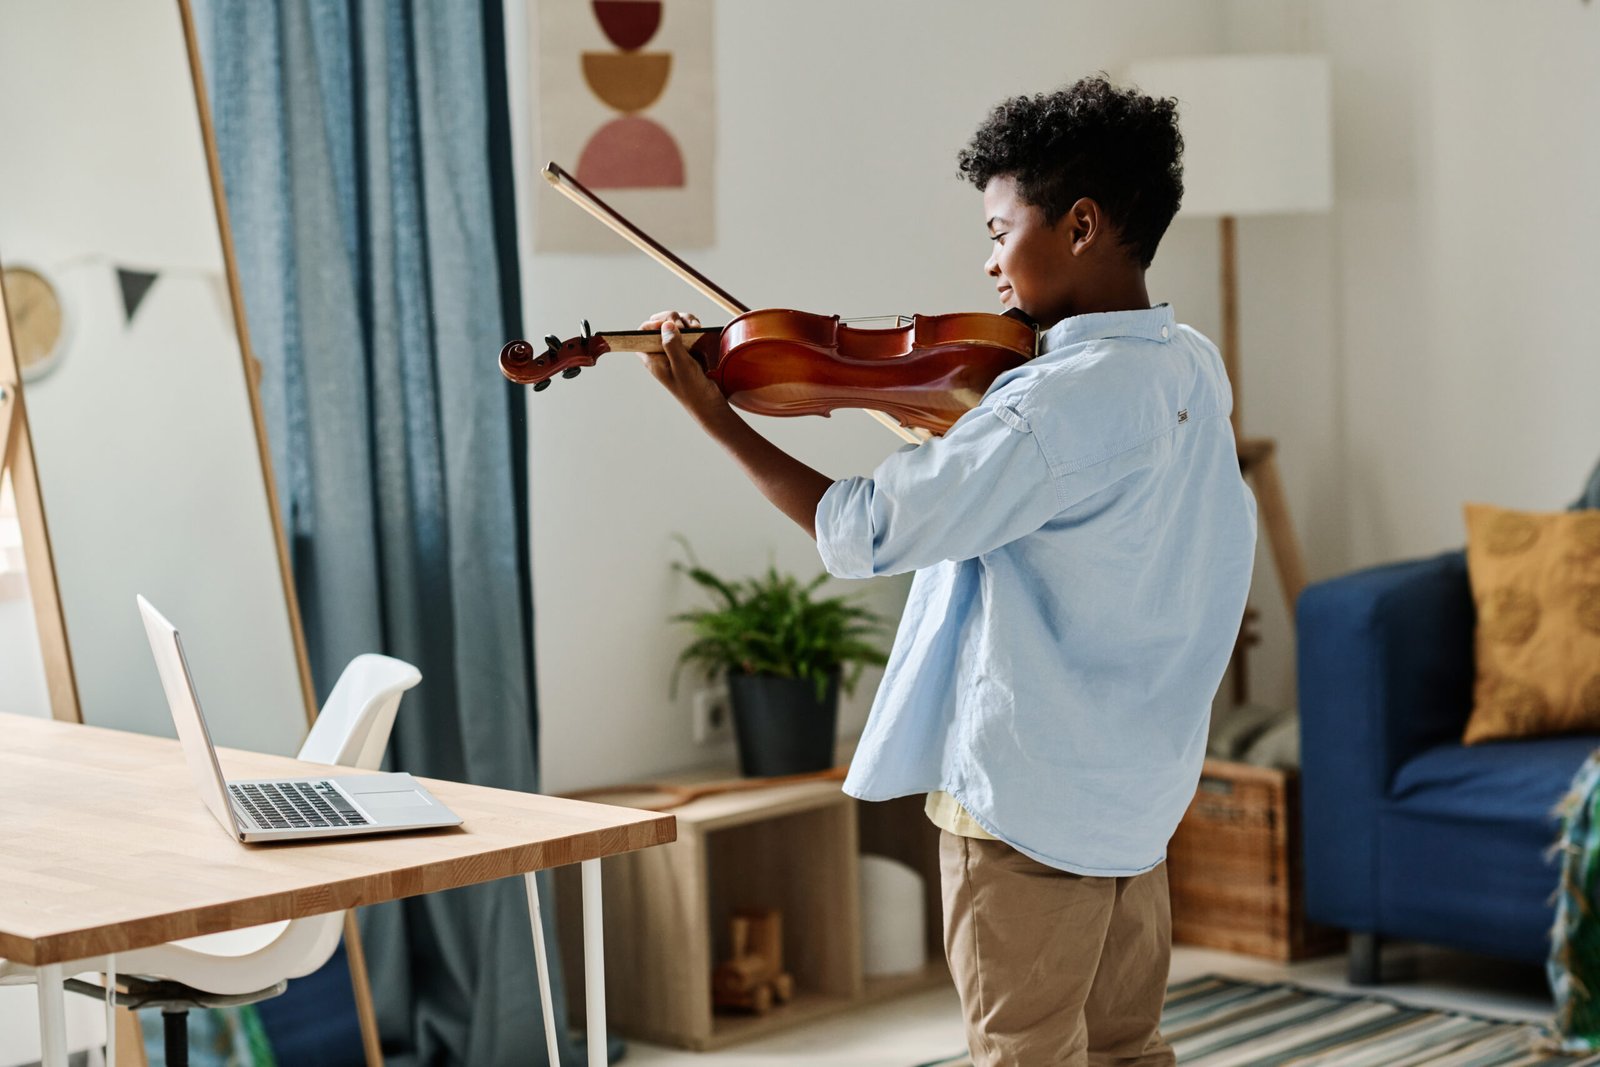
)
(1258, 140)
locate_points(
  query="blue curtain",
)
(365, 157)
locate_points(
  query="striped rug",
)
(1225, 1022)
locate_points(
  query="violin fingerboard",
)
(647, 340)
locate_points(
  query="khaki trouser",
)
(1055, 968)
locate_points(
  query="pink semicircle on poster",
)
(631, 152)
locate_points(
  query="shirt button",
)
(1163, 333)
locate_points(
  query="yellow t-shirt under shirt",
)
(947, 813)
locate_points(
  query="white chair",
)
(240, 966)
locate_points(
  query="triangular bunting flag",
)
(135, 284)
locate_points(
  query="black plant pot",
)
(781, 726)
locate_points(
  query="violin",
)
(924, 374)
(916, 377)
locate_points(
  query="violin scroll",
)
(567, 358)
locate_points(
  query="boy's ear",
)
(1083, 221)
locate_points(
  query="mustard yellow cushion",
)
(1536, 583)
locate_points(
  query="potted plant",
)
(786, 653)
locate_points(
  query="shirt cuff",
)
(844, 528)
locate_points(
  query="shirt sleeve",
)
(984, 484)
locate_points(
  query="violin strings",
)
(899, 320)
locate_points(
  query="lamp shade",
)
(1257, 131)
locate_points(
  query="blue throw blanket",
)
(1574, 964)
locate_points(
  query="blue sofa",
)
(1409, 834)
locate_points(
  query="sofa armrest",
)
(1385, 672)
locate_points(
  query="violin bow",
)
(575, 191)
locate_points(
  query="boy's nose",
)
(991, 266)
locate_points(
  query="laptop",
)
(282, 809)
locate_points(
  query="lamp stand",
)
(1229, 264)
(1259, 465)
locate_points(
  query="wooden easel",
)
(16, 459)
(1258, 462)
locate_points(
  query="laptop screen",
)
(184, 703)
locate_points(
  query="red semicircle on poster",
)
(631, 152)
(628, 24)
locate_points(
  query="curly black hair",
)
(1116, 146)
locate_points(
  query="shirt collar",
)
(1153, 324)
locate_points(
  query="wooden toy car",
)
(754, 979)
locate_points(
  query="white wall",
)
(1467, 159)
(1425, 343)
(837, 129)
(1469, 264)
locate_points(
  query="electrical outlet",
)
(713, 716)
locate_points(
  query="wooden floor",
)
(927, 1026)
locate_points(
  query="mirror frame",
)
(251, 366)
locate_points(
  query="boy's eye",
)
(997, 237)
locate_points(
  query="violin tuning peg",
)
(571, 372)
(553, 341)
(540, 387)
(587, 332)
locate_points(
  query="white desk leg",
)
(52, 1015)
(594, 963)
(543, 963)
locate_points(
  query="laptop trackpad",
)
(393, 799)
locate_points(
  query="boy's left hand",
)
(676, 369)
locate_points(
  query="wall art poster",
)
(624, 104)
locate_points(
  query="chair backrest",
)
(352, 730)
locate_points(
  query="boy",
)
(1083, 543)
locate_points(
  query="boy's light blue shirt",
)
(1083, 543)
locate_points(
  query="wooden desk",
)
(105, 846)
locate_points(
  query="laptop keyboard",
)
(295, 805)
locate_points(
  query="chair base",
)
(175, 1000)
(175, 1036)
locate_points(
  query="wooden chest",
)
(1234, 867)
